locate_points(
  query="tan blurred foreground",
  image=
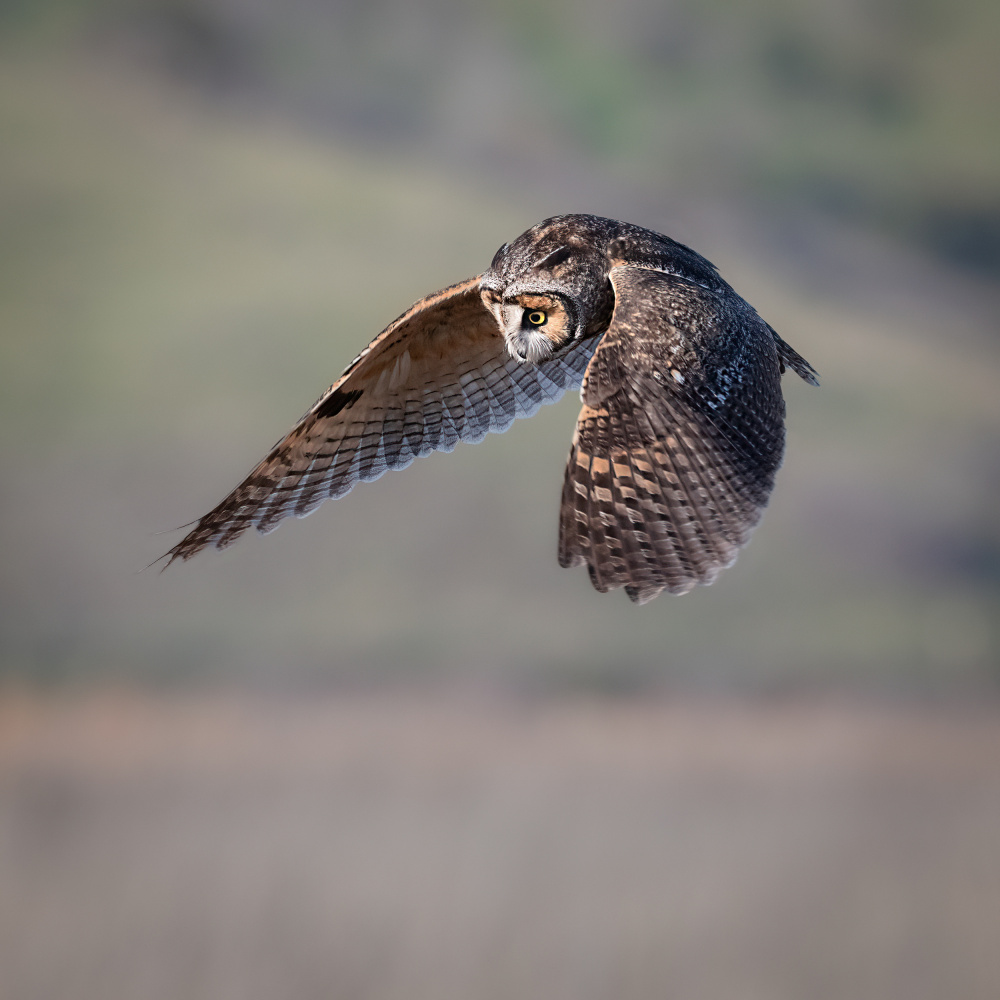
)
(385, 848)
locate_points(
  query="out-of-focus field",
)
(393, 848)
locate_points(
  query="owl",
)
(678, 440)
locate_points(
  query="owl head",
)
(550, 286)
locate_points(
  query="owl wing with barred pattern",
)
(437, 375)
(679, 438)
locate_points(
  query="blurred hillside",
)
(881, 112)
(207, 209)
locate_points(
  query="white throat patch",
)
(528, 345)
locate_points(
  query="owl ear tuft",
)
(555, 258)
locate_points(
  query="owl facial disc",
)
(535, 326)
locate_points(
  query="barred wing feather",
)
(437, 375)
(679, 439)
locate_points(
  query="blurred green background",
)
(209, 207)
(393, 751)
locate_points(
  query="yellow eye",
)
(537, 318)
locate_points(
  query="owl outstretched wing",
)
(437, 375)
(679, 438)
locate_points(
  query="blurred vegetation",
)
(207, 209)
(203, 847)
(878, 111)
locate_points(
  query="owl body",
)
(677, 443)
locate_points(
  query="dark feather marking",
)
(337, 400)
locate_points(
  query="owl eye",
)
(537, 317)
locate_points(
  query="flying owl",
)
(677, 443)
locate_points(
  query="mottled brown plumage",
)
(676, 446)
